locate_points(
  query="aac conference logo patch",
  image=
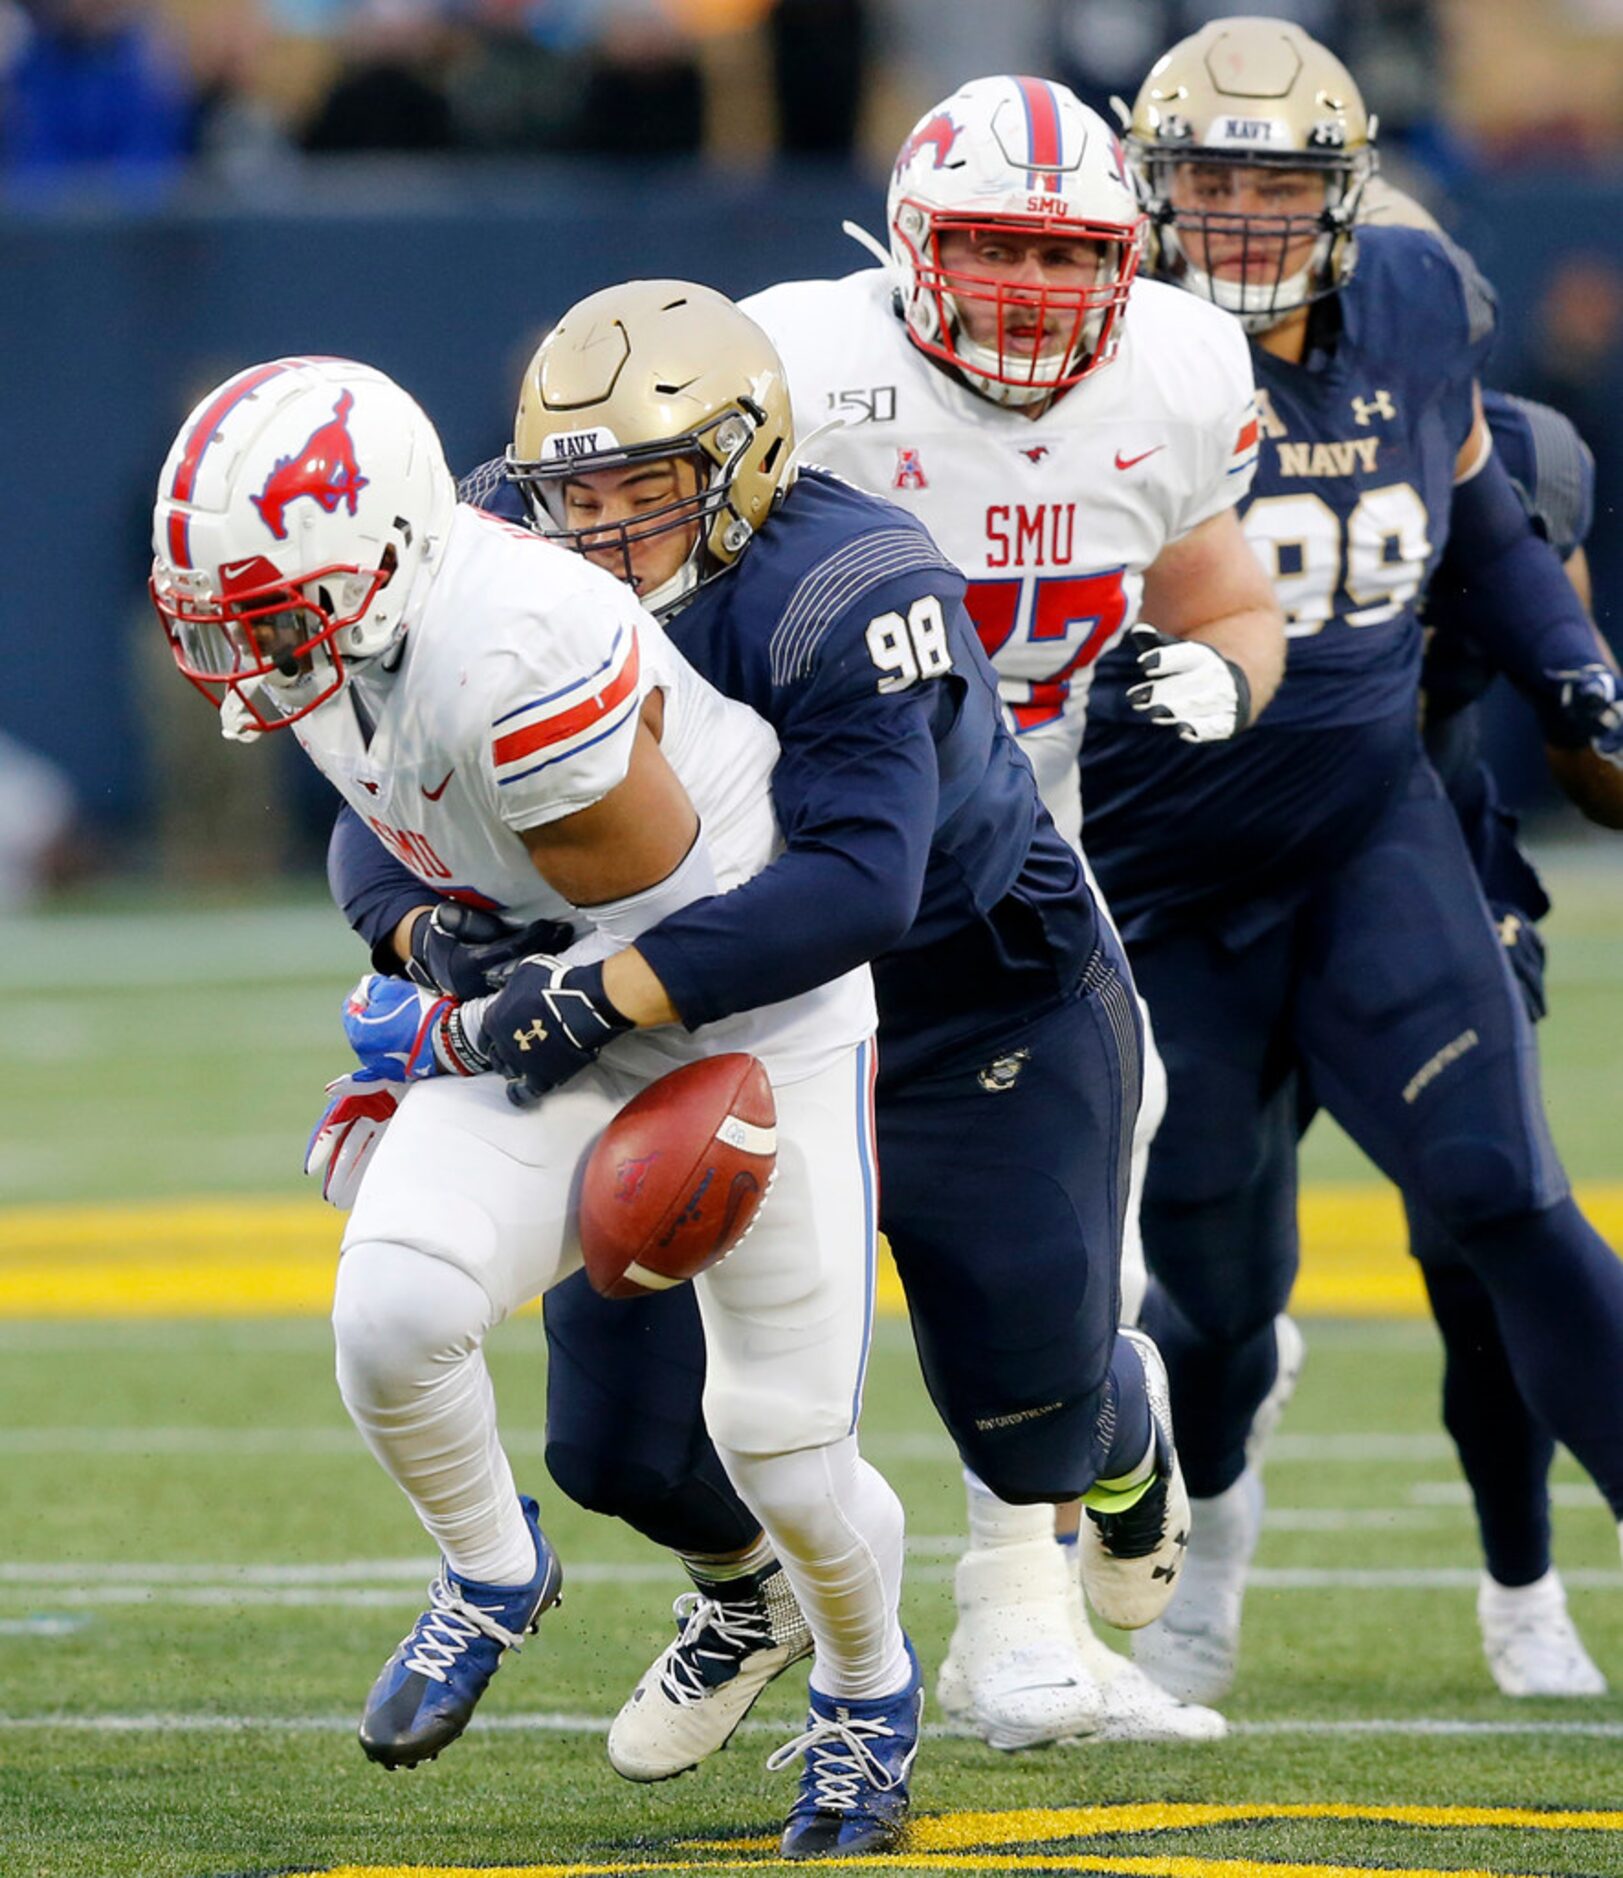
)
(1085, 1839)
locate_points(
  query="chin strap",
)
(871, 243)
(236, 721)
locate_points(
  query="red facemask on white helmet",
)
(297, 507)
(1023, 158)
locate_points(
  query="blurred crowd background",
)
(189, 185)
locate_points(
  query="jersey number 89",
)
(909, 648)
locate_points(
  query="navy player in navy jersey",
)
(1531, 1643)
(1302, 901)
(1008, 1082)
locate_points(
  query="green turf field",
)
(204, 1570)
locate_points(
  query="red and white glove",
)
(359, 1107)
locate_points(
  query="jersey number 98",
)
(909, 647)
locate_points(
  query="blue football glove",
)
(465, 951)
(1589, 709)
(546, 1024)
(403, 1033)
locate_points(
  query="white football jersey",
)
(516, 702)
(1054, 519)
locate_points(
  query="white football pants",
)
(468, 1211)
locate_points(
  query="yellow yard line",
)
(963, 1842)
(241, 1258)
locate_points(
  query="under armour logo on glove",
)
(1590, 709)
(1189, 686)
(546, 1024)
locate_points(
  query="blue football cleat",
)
(853, 1790)
(428, 1690)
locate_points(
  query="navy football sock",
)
(1125, 1432)
(1557, 1290)
(1216, 1389)
(1505, 1452)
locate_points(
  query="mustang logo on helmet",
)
(325, 470)
(938, 133)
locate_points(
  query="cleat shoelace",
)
(715, 1637)
(838, 1776)
(1136, 1532)
(441, 1636)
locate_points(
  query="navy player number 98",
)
(908, 648)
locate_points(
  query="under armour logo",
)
(536, 1033)
(1366, 410)
(1169, 1571)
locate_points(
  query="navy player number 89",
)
(909, 648)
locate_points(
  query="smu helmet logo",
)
(938, 133)
(325, 470)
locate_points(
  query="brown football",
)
(677, 1177)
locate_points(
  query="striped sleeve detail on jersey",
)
(1244, 453)
(1563, 494)
(828, 589)
(479, 485)
(548, 730)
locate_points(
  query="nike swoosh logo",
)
(1127, 462)
(1027, 1688)
(435, 794)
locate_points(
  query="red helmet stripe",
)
(1042, 120)
(197, 444)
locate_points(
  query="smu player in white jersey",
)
(515, 727)
(1076, 439)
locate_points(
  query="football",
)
(676, 1179)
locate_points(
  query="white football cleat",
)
(1291, 1347)
(1130, 1560)
(1013, 1672)
(1194, 1650)
(1530, 1641)
(1131, 1707)
(695, 1693)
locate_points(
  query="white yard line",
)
(361, 1585)
(569, 1724)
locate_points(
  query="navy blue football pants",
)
(1388, 988)
(1002, 1190)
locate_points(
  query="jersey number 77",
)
(1074, 616)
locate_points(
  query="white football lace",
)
(738, 1627)
(837, 1778)
(443, 1635)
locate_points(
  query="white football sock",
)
(994, 1522)
(411, 1370)
(837, 1529)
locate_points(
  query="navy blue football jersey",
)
(844, 627)
(1554, 473)
(1349, 514)
(1349, 509)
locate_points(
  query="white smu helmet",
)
(295, 511)
(1027, 156)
